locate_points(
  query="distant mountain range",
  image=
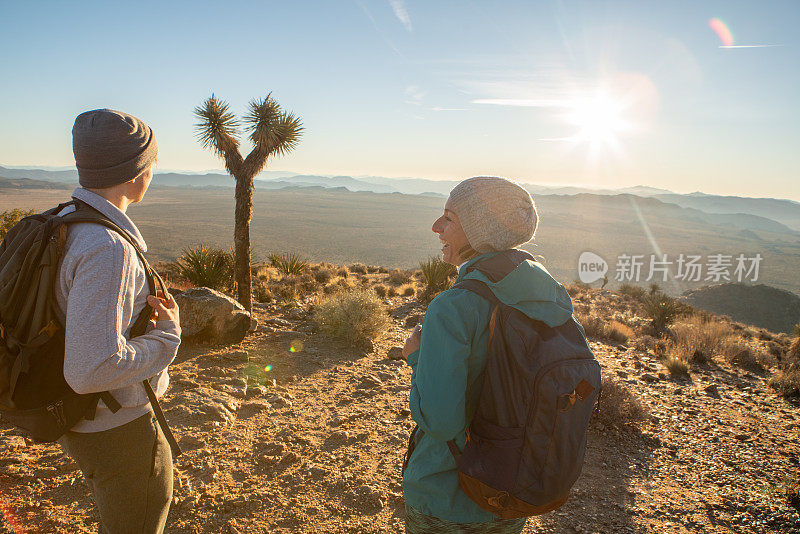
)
(765, 214)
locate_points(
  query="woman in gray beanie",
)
(483, 217)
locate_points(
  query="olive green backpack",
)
(34, 395)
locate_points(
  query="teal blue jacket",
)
(445, 369)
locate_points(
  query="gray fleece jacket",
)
(101, 288)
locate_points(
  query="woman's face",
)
(451, 234)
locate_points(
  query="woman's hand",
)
(412, 343)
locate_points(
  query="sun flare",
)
(600, 121)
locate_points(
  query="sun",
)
(600, 121)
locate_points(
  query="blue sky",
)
(597, 93)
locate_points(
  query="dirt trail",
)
(320, 450)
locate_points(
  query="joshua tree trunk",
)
(241, 240)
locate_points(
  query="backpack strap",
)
(86, 213)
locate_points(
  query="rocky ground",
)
(288, 431)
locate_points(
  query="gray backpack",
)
(526, 442)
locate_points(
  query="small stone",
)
(712, 390)
(395, 353)
(647, 377)
(413, 320)
(677, 391)
(280, 402)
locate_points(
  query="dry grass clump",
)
(380, 290)
(596, 327)
(742, 355)
(343, 272)
(399, 277)
(353, 316)
(262, 292)
(408, 291)
(618, 405)
(676, 367)
(358, 268)
(323, 276)
(632, 291)
(619, 332)
(391, 292)
(786, 382)
(647, 343)
(593, 325)
(372, 269)
(696, 341)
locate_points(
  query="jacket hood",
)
(528, 288)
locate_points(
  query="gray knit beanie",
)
(111, 147)
(496, 214)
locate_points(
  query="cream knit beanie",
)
(496, 214)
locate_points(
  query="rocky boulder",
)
(210, 316)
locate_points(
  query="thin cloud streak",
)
(522, 102)
(401, 13)
(751, 46)
(378, 30)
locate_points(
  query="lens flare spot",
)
(296, 346)
(722, 31)
(268, 368)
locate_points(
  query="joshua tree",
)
(273, 132)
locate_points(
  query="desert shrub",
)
(383, 270)
(650, 344)
(409, 291)
(343, 272)
(437, 275)
(794, 348)
(358, 268)
(380, 290)
(285, 292)
(662, 310)
(372, 269)
(655, 289)
(618, 405)
(206, 266)
(630, 290)
(11, 217)
(742, 355)
(262, 292)
(398, 277)
(593, 325)
(323, 276)
(619, 332)
(676, 366)
(330, 289)
(353, 316)
(288, 263)
(696, 341)
(596, 327)
(391, 292)
(786, 382)
(765, 335)
(344, 283)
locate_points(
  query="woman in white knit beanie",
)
(484, 217)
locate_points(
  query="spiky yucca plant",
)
(206, 266)
(273, 132)
(288, 263)
(437, 275)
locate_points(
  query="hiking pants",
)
(419, 523)
(129, 470)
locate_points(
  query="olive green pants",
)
(419, 523)
(129, 470)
